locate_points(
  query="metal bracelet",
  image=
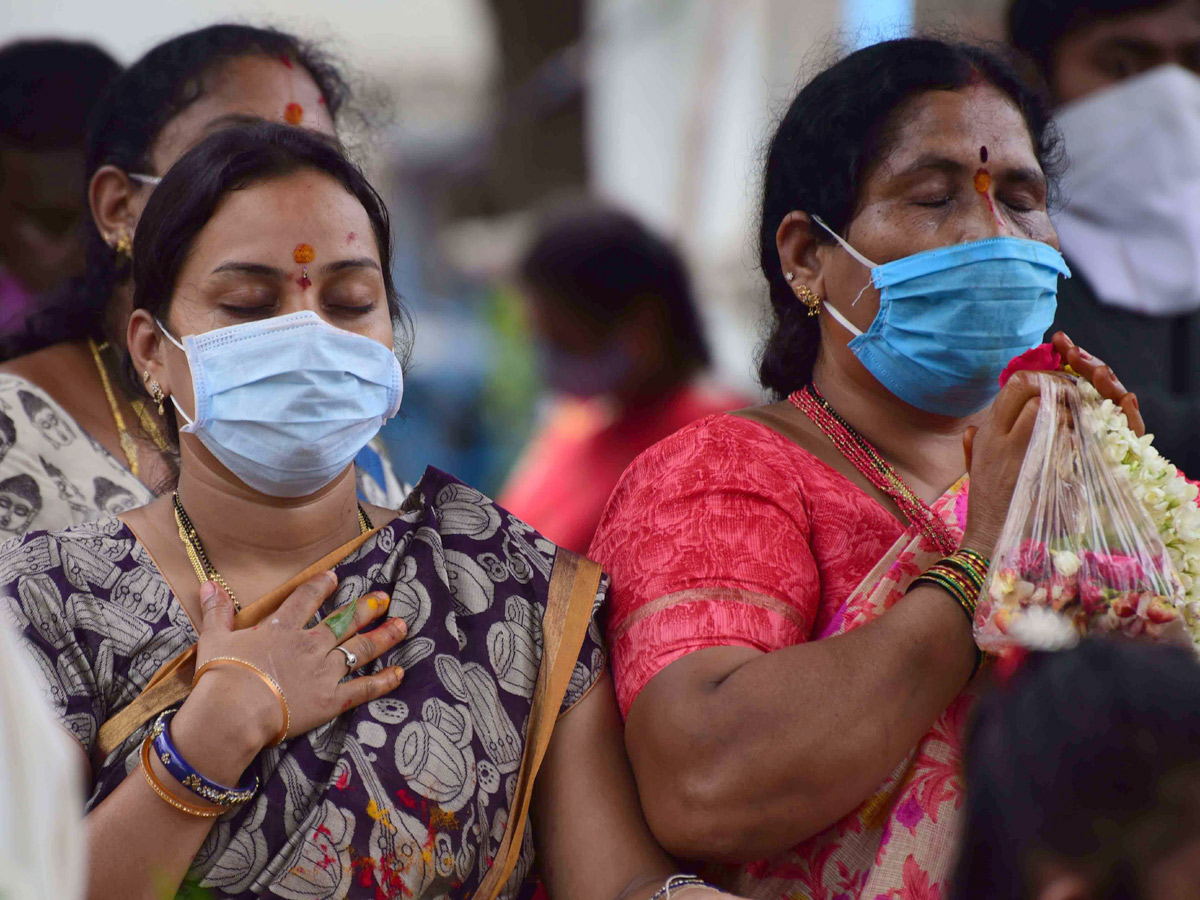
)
(681, 881)
(183, 771)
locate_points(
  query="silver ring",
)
(351, 659)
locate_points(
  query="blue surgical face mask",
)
(585, 376)
(951, 319)
(287, 403)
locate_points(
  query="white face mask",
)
(1131, 216)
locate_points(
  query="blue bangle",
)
(183, 772)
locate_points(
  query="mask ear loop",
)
(858, 256)
(179, 409)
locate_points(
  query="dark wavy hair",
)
(603, 263)
(1089, 759)
(122, 132)
(233, 160)
(827, 144)
(48, 89)
(1036, 27)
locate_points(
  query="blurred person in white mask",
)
(41, 818)
(1123, 78)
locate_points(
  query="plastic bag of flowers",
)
(1102, 535)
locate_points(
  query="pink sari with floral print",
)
(906, 834)
(729, 533)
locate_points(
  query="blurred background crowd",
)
(474, 116)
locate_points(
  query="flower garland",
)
(1168, 497)
(1050, 587)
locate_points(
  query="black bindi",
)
(983, 154)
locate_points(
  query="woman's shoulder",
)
(470, 521)
(100, 529)
(52, 472)
(734, 445)
(85, 555)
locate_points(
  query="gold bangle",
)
(267, 680)
(203, 812)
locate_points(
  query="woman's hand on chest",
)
(308, 665)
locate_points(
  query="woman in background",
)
(82, 446)
(621, 345)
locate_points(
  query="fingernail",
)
(208, 590)
(330, 575)
(1066, 337)
(398, 674)
(1083, 354)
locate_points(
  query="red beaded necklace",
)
(860, 454)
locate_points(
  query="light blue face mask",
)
(585, 376)
(287, 403)
(951, 319)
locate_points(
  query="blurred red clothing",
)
(566, 474)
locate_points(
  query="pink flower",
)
(1092, 596)
(1033, 561)
(1042, 358)
(1114, 570)
(909, 814)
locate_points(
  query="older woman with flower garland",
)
(793, 585)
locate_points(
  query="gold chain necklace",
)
(201, 565)
(128, 441)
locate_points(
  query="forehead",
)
(956, 124)
(257, 86)
(1167, 25)
(265, 221)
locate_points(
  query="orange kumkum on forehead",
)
(304, 253)
(293, 113)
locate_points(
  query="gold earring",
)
(810, 299)
(123, 244)
(156, 392)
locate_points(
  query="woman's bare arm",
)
(592, 841)
(741, 754)
(140, 847)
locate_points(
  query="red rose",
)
(1042, 358)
